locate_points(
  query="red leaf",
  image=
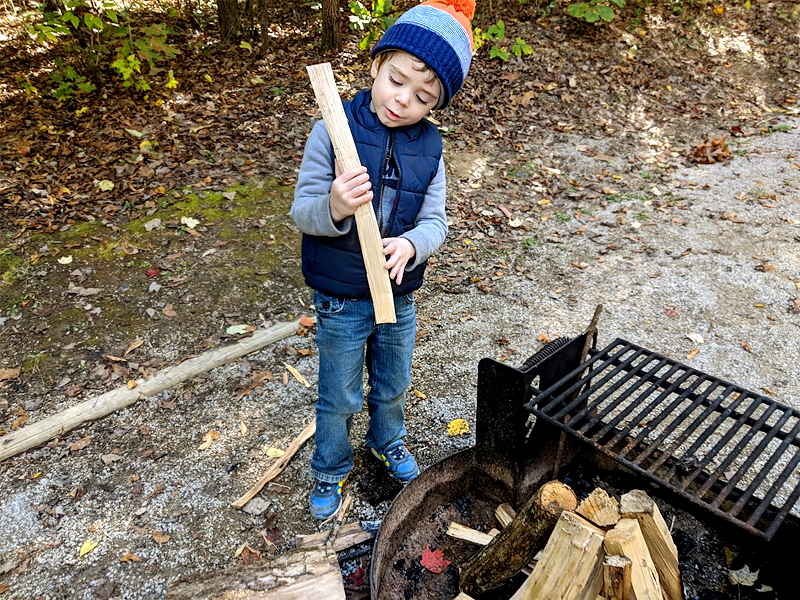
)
(357, 576)
(671, 312)
(153, 272)
(433, 560)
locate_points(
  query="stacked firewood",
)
(598, 549)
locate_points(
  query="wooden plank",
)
(637, 504)
(279, 465)
(344, 147)
(600, 508)
(300, 574)
(349, 535)
(468, 534)
(626, 539)
(42, 431)
(617, 577)
(517, 544)
(571, 564)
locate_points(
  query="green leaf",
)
(112, 15)
(246, 46)
(606, 13)
(207, 77)
(171, 81)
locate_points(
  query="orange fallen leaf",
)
(4, 588)
(418, 394)
(9, 373)
(160, 537)
(306, 322)
(692, 354)
(132, 384)
(19, 421)
(169, 311)
(297, 375)
(134, 345)
(208, 439)
(130, 556)
(81, 443)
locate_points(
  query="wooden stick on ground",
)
(349, 535)
(344, 147)
(515, 546)
(300, 574)
(279, 465)
(42, 431)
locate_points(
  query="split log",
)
(637, 504)
(505, 514)
(295, 575)
(617, 578)
(42, 431)
(468, 534)
(349, 535)
(571, 564)
(517, 544)
(600, 508)
(626, 539)
(344, 148)
(279, 465)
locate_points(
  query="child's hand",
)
(349, 190)
(400, 251)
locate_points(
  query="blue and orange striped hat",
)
(438, 32)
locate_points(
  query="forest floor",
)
(652, 166)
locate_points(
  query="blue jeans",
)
(347, 338)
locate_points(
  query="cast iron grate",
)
(718, 445)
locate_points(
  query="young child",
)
(418, 65)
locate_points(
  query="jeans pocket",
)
(326, 305)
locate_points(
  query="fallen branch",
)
(310, 574)
(349, 535)
(279, 465)
(42, 431)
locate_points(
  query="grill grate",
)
(718, 445)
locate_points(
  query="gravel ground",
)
(712, 251)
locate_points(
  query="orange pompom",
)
(466, 7)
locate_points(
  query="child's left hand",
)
(400, 251)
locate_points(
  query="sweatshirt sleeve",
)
(311, 207)
(430, 227)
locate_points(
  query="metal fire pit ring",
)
(619, 403)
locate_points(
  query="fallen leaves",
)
(712, 150)
(297, 375)
(87, 547)
(160, 537)
(208, 439)
(80, 444)
(433, 560)
(130, 557)
(457, 427)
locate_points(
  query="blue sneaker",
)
(326, 498)
(400, 462)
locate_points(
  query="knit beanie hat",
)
(438, 33)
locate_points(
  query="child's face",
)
(402, 94)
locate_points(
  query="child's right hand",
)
(349, 190)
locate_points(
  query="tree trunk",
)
(263, 17)
(331, 29)
(228, 15)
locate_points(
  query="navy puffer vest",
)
(334, 265)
